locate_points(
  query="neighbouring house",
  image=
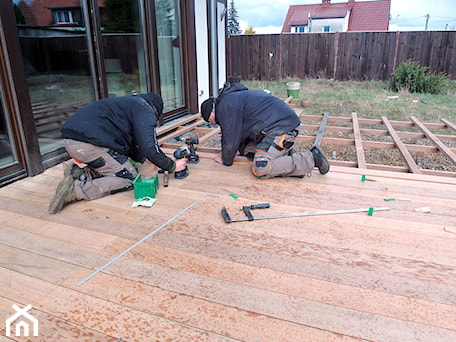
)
(58, 55)
(49, 12)
(338, 17)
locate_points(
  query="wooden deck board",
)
(346, 277)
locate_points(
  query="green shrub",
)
(436, 83)
(410, 76)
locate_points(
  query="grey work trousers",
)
(272, 158)
(116, 171)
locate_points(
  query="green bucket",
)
(293, 90)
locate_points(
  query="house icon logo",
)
(18, 319)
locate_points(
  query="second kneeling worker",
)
(255, 123)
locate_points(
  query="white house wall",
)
(346, 20)
(203, 48)
(221, 22)
(335, 24)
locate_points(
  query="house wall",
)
(202, 47)
(39, 14)
(221, 44)
(335, 24)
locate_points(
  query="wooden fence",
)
(340, 56)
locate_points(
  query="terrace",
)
(104, 271)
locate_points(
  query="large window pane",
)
(55, 53)
(123, 44)
(169, 52)
(6, 150)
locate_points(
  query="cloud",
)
(409, 15)
(264, 13)
(266, 16)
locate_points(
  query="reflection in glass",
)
(6, 152)
(123, 44)
(54, 48)
(169, 52)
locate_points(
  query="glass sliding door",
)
(7, 155)
(123, 47)
(168, 19)
(55, 52)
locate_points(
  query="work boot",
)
(68, 171)
(65, 194)
(320, 160)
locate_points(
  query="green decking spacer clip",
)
(389, 199)
(234, 196)
(363, 178)
(370, 212)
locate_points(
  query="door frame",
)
(16, 98)
(16, 101)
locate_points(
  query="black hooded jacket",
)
(126, 124)
(249, 115)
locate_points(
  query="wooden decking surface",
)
(346, 277)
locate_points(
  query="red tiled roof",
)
(370, 16)
(364, 15)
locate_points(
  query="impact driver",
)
(188, 152)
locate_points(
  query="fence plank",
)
(342, 55)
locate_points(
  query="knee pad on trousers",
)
(120, 158)
(97, 163)
(124, 173)
(261, 167)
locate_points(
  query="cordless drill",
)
(188, 152)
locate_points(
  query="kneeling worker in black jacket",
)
(103, 135)
(254, 122)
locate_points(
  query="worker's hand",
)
(180, 164)
(218, 158)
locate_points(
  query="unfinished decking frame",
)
(321, 130)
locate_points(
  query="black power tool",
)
(188, 152)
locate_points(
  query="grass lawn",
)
(370, 99)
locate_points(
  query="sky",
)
(267, 16)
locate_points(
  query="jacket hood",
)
(231, 88)
(155, 101)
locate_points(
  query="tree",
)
(165, 18)
(121, 15)
(249, 30)
(20, 19)
(233, 24)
